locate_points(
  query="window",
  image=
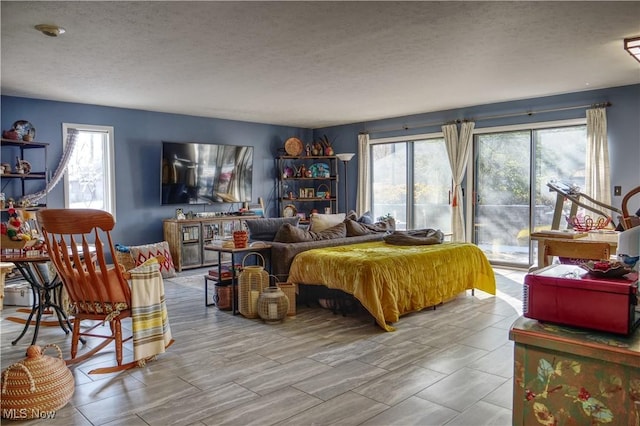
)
(90, 179)
(411, 181)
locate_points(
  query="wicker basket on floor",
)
(36, 386)
(289, 290)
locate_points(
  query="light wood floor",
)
(451, 366)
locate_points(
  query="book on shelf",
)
(226, 272)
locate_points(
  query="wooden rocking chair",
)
(628, 220)
(78, 241)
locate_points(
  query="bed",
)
(391, 280)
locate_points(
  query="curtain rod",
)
(491, 117)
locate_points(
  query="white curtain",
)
(363, 199)
(458, 150)
(598, 174)
(72, 135)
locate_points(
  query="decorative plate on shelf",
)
(606, 269)
(293, 147)
(320, 170)
(25, 130)
(290, 211)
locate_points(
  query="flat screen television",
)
(201, 173)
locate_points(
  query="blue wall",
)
(138, 135)
(623, 126)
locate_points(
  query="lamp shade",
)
(345, 156)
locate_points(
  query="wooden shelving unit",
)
(298, 192)
(17, 148)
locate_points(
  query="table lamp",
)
(628, 250)
(345, 158)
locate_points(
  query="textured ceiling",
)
(314, 64)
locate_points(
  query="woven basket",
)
(324, 190)
(289, 289)
(251, 281)
(125, 259)
(36, 386)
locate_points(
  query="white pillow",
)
(319, 222)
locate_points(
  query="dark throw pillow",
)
(355, 229)
(266, 229)
(336, 231)
(292, 234)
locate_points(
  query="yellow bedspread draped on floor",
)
(392, 280)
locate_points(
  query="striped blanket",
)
(150, 321)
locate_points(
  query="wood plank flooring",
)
(449, 366)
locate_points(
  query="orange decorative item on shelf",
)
(240, 239)
(36, 386)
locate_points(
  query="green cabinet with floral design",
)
(571, 376)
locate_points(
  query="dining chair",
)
(573, 249)
(627, 220)
(78, 242)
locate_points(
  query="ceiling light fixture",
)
(632, 45)
(50, 30)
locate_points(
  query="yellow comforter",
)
(391, 280)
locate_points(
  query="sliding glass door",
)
(511, 196)
(502, 194)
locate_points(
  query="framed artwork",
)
(302, 216)
(302, 193)
(310, 192)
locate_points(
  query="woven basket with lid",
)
(37, 385)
